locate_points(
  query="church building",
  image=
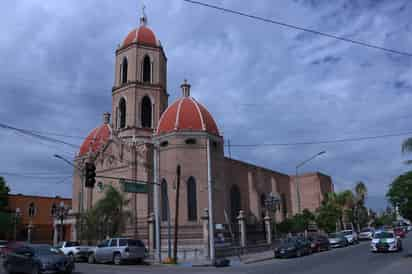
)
(169, 145)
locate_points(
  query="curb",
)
(258, 260)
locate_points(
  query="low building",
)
(35, 216)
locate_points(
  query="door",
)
(110, 250)
(99, 253)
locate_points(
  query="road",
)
(351, 260)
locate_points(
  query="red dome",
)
(96, 139)
(186, 114)
(142, 35)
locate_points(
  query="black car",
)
(293, 247)
(319, 243)
(35, 259)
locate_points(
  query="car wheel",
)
(7, 268)
(91, 259)
(35, 270)
(117, 259)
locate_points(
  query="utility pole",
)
(156, 204)
(176, 213)
(210, 200)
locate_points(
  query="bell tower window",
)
(147, 70)
(123, 71)
(122, 113)
(146, 115)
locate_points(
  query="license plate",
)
(282, 252)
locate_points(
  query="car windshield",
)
(383, 235)
(349, 232)
(45, 250)
(335, 235)
(366, 230)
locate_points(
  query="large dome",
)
(142, 35)
(96, 139)
(186, 114)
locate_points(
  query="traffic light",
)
(90, 175)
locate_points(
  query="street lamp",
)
(61, 213)
(297, 179)
(16, 216)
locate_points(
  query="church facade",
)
(146, 139)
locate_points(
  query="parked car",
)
(10, 246)
(338, 240)
(400, 232)
(386, 241)
(3, 244)
(292, 247)
(118, 250)
(366, 234)
(75, 250)
(319, 243)
(351, 236)
(37, 258)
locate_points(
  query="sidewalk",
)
(252, 257)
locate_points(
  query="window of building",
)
(32, 210)
(235, 202)
(53, 210)
(123, 71)
(164, 144)
(146, 114)
(165, 200)
(122, 113)
(146, 70)
(191, 199)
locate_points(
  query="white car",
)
(366, 234)
(384, 241)
(351, 236)
(75, 250)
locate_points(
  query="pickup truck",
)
(75, 250)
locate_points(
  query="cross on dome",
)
(143, 18)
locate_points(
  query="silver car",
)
(118, 250)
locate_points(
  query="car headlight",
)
(391, 241)
(290, 248)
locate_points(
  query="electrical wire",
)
(291, 26)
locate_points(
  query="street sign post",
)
(134, 187)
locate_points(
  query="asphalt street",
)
(355, 259)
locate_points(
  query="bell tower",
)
(139, 94)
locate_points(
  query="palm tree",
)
(360, 196)
(407, 147)
(346, 202)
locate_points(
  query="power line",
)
(287, 25)
(343, 140)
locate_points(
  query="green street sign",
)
(132, 187)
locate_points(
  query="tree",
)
(328, 214)
(107, 218)
(359, 211)
(345, 200)
(400, 194)
(6, 218)
(407, 147)
(4, 194)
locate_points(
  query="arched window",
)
(147, 70)
(32, 210)
(235, 202)
(123, 71)
(146, 112)
(165, 200)
(53, 210)
(122, 113)
(191, 199)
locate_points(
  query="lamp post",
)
(61, 213)
(297, 178)
(16, 216)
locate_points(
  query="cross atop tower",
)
(143, 18)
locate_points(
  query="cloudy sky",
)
(262, 83)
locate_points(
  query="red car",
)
(400, 232)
